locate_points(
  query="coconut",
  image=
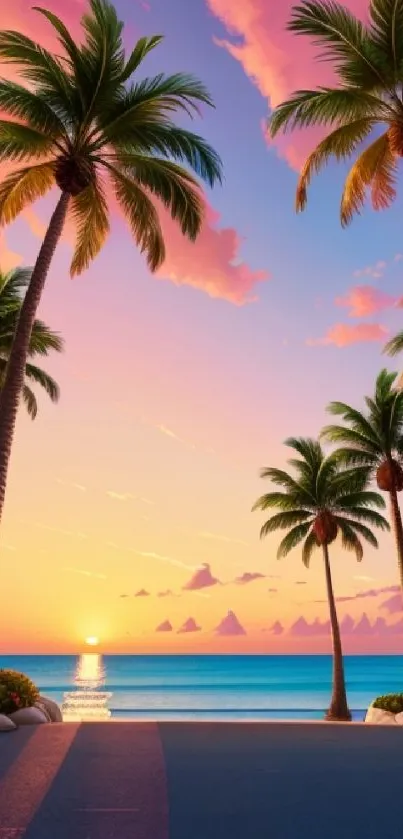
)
(389, 476)
(73, 175)
(325, 528)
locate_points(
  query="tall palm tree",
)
(13, 285)
(364, 101)
(371, 443)
(79, 122)
(317, 502)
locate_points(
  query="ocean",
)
(205, 687)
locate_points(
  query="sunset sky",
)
(177, 388)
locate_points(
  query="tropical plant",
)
(371, 444)
(317, 502)
(13, 285)
(16, 691)
(392, 702)
(82, 124)
(395, 345)
(368, 64)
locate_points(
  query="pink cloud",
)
(189, 626)
(364, 300)
(202, 578)
(347, 625)
(230, 626)
(275, 60)
(344, 335)
(165, 626)
(370, 592)
(142, 593)
(277, 628)
(302, 628)
(249, 577)
(393, 605)
(166, 593)
(212, 263)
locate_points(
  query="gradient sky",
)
(176, 389)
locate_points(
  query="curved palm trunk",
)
(15, 375)
(397, 528)
(338, 709)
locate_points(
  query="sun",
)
(92, 641)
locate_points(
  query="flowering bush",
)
(16, 691)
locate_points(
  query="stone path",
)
(201, 781)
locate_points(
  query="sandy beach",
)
(192, 781)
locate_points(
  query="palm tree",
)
(395, 345)
(316, 503)
(81, 124)
(368, 64)
(12, 288)
(371, 443)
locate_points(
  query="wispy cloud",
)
(371, 592)
(162, 558)
(85, 573)
(76, 534)
(249, 577)
(364, 300)
(169, 433)
(344, 335)
(71, 484)
(375, 271)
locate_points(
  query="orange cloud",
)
(344, 335)
(364, 300)
(275, 60)
(212, 263)
(8, 258)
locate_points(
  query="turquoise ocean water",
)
(213, 687)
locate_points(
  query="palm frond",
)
(44, 339)
(282, 500)
(339, 144)
(39, 67)
(387, 31)
(375, 168)
(358, 528)
(141, 216)
(30, 401)
(171, 184)
(292, 539)
(309, 546)
(395, 345)
(90, 212)
(363, 498)
(326, 106)
(344, 38)
(18, 101)
(138, 54)
(344, 434)
(23, 187)
(355, 419)
(40, 377)
(21, 142)
(283, 520)
(349, 538)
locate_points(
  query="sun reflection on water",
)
(88, 702)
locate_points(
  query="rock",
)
(50, 708)
(28, 716)
(6, 724)
(399, 718)
(377, 716)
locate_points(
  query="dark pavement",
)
(202, 781)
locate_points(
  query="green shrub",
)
(16, 691)
(392, 702)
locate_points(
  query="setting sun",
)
(92, 641)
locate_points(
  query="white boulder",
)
(50, 709)
(399, 718)
(6, 724)
(28, 716)
(377, 716)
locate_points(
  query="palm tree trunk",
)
(15, 374)
(338, 709)
(397, 528)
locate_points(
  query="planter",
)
(386, 710)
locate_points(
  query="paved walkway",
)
(201, 781)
